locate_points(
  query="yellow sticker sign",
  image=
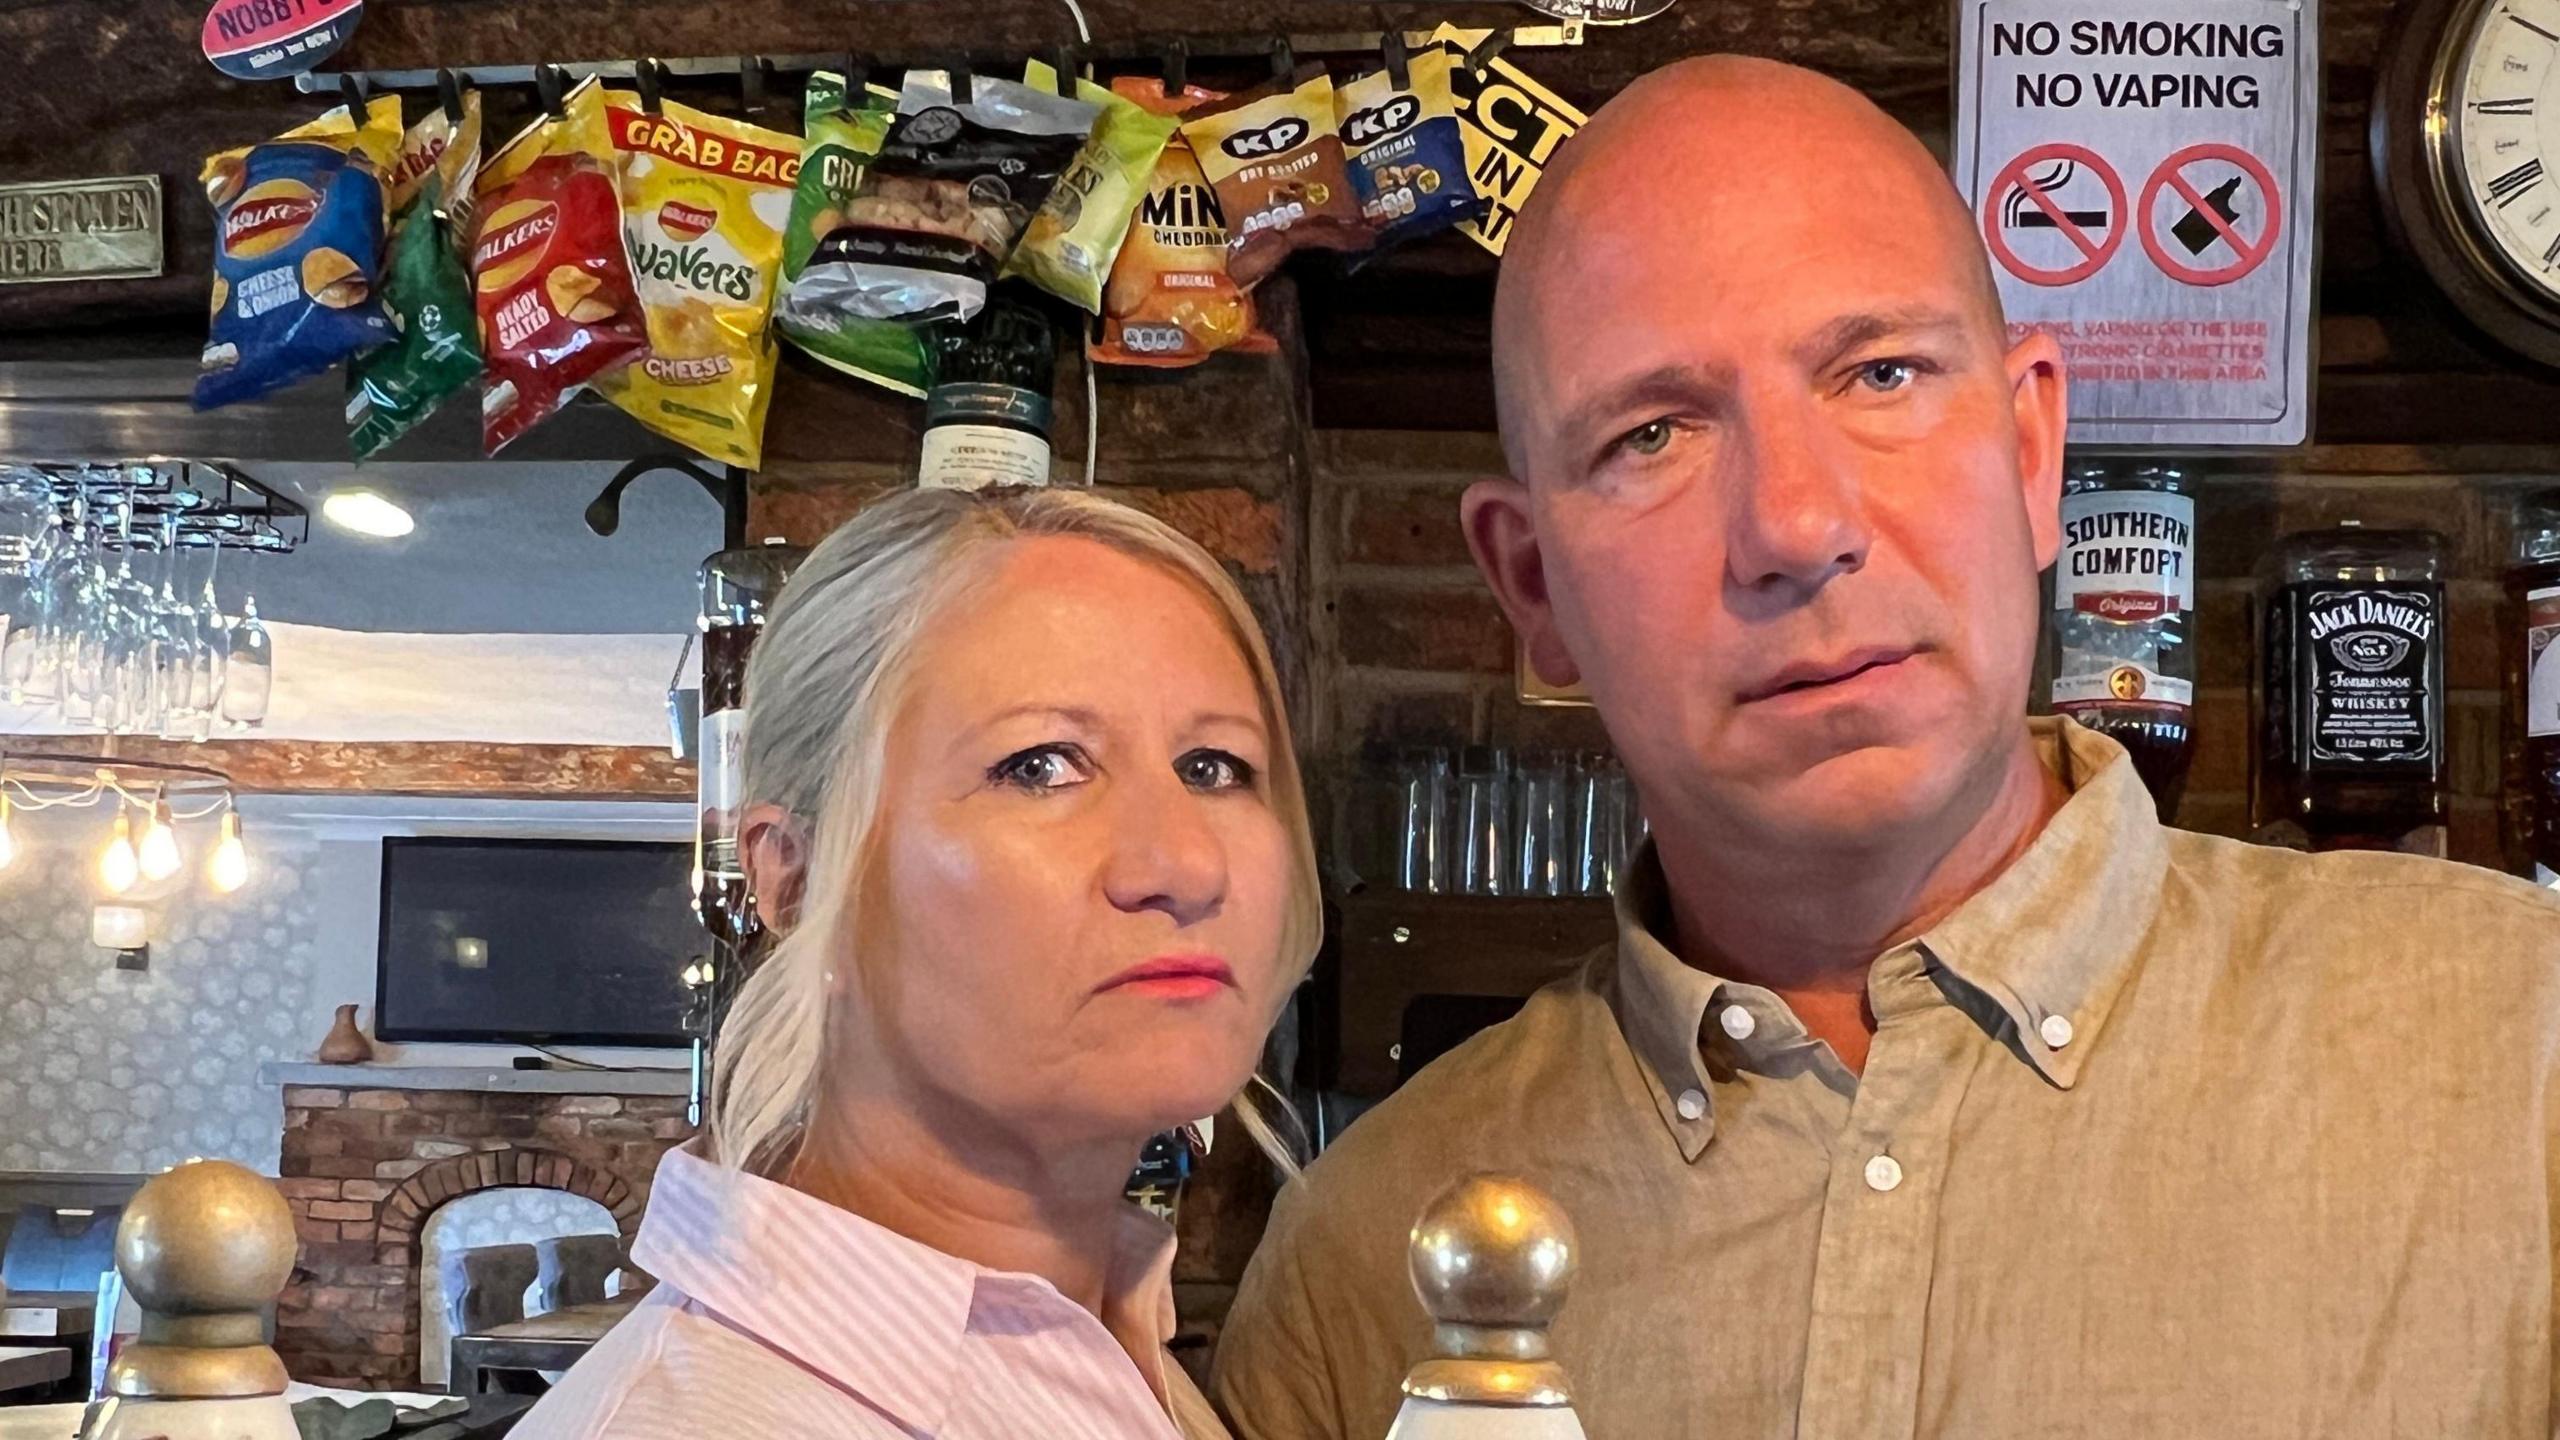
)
(1512, 125)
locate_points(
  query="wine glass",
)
(173, 643)
(213, 643)
(249, 676)
(27, 672)
(125, 689)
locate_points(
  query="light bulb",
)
(692, 976)
(229, 867)
(8, 842)
(120, 867)
(160, 858)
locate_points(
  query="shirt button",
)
(2056, 1030)
(1692, 1104)
(1737, 1022)
(1883, 1173)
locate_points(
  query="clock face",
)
(2503, 97)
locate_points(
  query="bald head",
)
(1752, 157)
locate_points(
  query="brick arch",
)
(406, 1208)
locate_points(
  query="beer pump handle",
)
(1492, 1257)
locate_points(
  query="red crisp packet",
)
(557, 306)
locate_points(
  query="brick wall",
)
(363, 1169)
(1412, 647)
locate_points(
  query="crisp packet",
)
(557, 308)
(704, 203)
(299, 221)
(1170, 300)
(1276, 161)
(942, 203)
(1408, 157)
(425, 285)
(842, 132)
(1068, 248)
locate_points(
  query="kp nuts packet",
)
(426, 285)
(704, 203)
(941, 205)
(1068, 248)
(299, 225)
(557, 309)
(1170, 300)
(1408, 157)
(1276, 161)
(842, 131)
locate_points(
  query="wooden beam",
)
(588, 772)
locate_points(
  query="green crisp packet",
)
(1068, 248)
(426, 286)
(843, 134)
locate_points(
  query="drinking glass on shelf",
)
(1423, 789)
(1482, 796)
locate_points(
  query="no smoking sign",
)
(2141, 172)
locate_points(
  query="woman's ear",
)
(776, 855)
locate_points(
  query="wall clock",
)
(2465, 141)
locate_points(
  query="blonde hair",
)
(827, 676)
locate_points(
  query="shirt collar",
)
(864, 1306)
(2055, 935)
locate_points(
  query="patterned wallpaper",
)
(117, 1070)
(513, 1215)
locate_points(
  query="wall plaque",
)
(107, 228)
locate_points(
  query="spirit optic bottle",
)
(2123, 591)
(2354, 745)
(738, 588)
(2529, 631)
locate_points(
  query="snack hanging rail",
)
(755, 72)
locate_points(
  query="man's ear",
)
(2040, 399)
(776, 856)
(1502, 537)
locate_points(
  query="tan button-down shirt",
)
(2161, 1136)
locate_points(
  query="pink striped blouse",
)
(779, 1314)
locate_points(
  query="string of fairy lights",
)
(144, 844)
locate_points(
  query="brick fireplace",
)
(370, 1152)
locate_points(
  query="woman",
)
(1022, 810)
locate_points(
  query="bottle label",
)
(2370, 655)
(973, 457)
(2542, 662)
(2127, 555)
(2126, 683)
(724, 738)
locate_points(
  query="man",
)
(1932, 1087)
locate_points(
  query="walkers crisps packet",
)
(841, 133)
(426, 285)
(1170, 300)
(557, 309)
(1276, 161)
(1068, 248)
(704, 203)
(1408, 157)
(299, 221)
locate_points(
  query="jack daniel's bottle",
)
(2354, 743)
(2529, 631)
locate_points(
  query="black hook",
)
(1284, 60)
(960, 93)
(1066, 63)
(751, 70)
(351, 94)
(449, 94)
(1493, 44)
(1177, 67)
(649, 75)
(1399, 63)
(857, 80)
(546, 84)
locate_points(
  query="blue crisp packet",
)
(1408, 161)
(297, 255)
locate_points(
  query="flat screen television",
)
(573, 942)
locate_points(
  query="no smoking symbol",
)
(2022, 199)
(2210, 225)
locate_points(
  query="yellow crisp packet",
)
(704, 203)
